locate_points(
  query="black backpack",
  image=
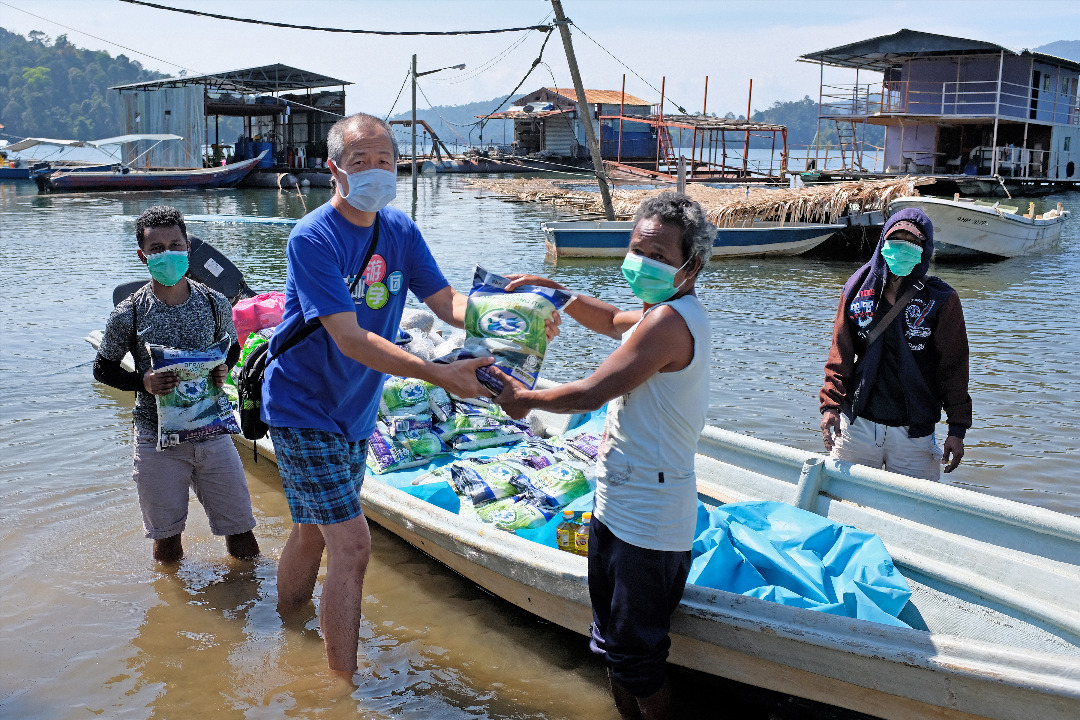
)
(249, 385)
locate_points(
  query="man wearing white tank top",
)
(657, 387)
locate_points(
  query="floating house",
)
(638, 140)
(285, 110)
(546, 123)
(970, 111)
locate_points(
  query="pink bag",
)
(261, 311)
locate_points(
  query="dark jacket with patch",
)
(933, 362)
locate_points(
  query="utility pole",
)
(583, 109)
(413, 125)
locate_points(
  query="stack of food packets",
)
(419, 421)
(527, 485)
(196, 408)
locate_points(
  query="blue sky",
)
(729, 41)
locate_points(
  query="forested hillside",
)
(50, 88)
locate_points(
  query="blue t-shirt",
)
(314, 385)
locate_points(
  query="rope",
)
(335, 30)
(400, 89)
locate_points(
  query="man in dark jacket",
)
(881, 399)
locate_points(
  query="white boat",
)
(610, 238)
(967, 228)
(994, 588)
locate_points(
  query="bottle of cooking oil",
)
(566, 531)
(581, 537)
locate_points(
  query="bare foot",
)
(168, 550)
(243, 546)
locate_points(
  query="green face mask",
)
(901, 257)
(168, 267)
(652, 281)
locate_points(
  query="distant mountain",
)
(1068, 49)
(457, 125)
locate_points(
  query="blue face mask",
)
(167, 267)
(652, 281)
(370, 190)
(901, 257)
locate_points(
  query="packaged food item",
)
(439, 402)
(585, 445)
(515, 513)
(558, 484)
(387, 452)
(196, 408)
(458, 424)
(536, 454)
(398, 425)
(480, 480)
(509, 326)
(581, 538)
(404, 397)
(503, 435)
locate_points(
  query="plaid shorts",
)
(321, 473)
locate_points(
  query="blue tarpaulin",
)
(780, 553)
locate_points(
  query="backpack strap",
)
(311, 327)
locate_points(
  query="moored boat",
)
(994, 627)
(973, 229)
(610, 238)
(126, 178)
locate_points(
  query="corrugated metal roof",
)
(888, 51)
(592, 97)
(262, 79)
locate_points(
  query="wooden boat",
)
(126, 178)
(610, 238)
(975, 229)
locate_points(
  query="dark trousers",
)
(634, 591)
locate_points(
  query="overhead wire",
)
(402, 88)
(594, 42)
(490, 63)
(292, 26)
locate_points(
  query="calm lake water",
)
(91, 627)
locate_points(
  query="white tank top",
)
(646, 490)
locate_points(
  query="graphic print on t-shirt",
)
(372, 291)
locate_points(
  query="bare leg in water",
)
(348, 549)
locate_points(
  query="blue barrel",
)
(268, 159)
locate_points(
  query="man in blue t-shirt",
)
(321, 398)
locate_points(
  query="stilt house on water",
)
(293, 126)
(638, 140)
(969, 112)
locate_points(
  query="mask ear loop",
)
(679, 287)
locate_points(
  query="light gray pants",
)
(883, 446)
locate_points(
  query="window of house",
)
(1064, 86)
(1046, 83)
(1065, 145)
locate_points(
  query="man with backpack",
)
(177, 312)
(351, 263)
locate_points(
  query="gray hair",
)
(335, 139)
(159, 216)
(679, 209)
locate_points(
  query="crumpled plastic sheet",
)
(781, 553)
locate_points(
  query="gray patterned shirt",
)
(190, 325)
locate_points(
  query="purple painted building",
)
(950, 107)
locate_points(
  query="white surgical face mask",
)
(370, 190)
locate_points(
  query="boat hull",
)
(609, 239)
(963, 230)
(197, 179)
(993, 586)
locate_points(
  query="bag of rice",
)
(504, 435)
(387, 452)
(404, 397)
(509, 326)
(196, 408)
(483, 480)
(558, 484)
(515, 513)
(585, 445)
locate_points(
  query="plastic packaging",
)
(196, 408)
(581, 538)
(262, 311)
(566, 533)
(509, 326)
